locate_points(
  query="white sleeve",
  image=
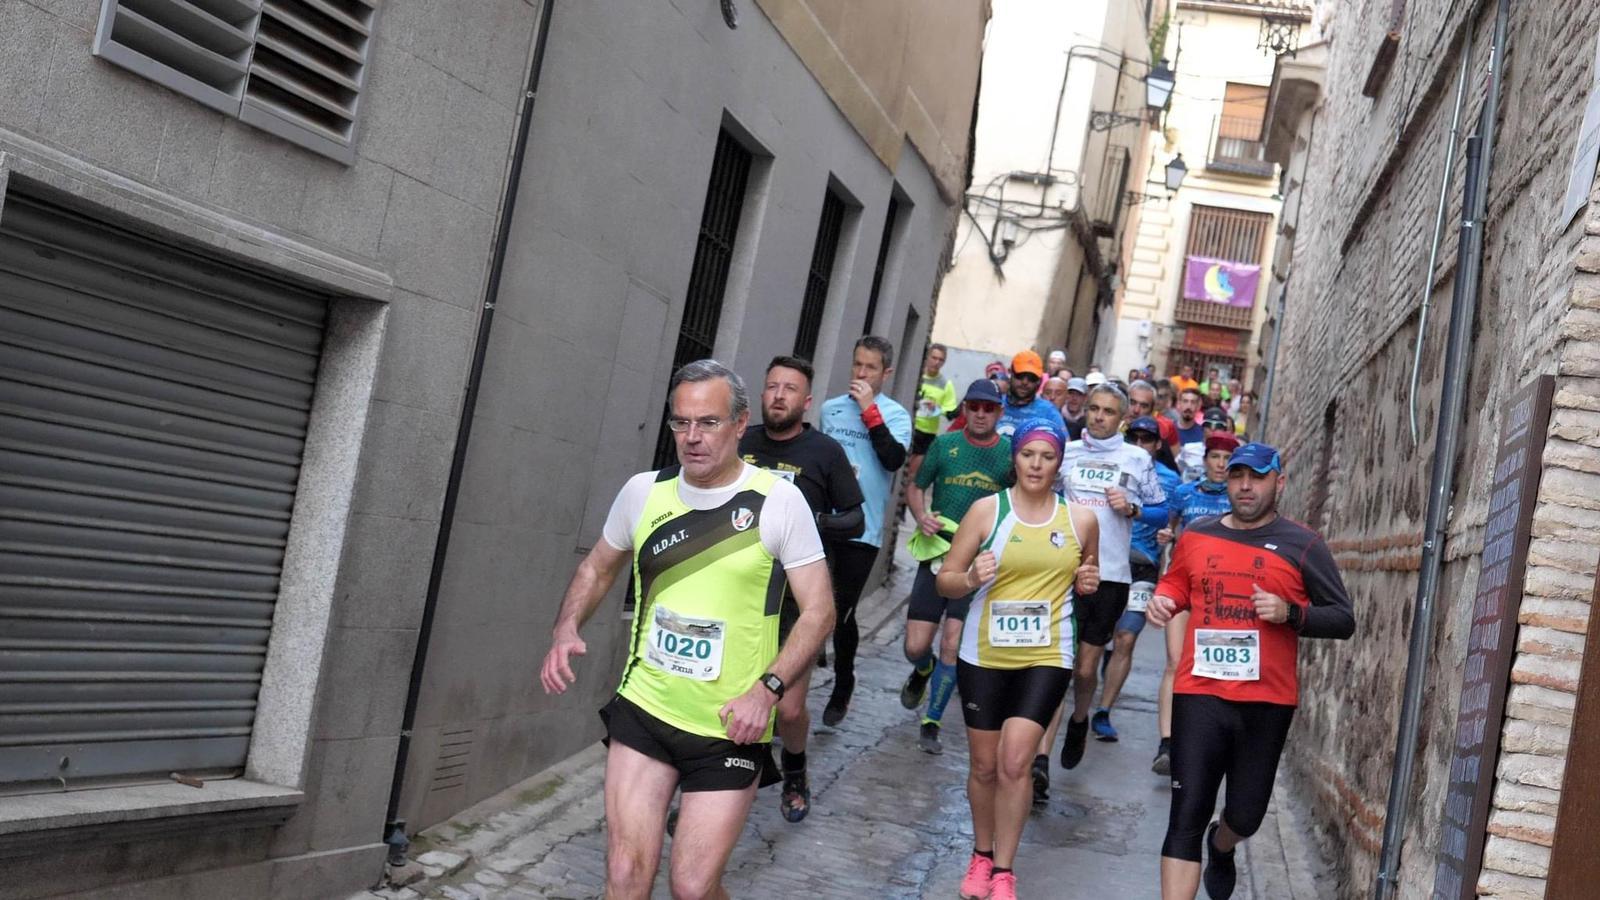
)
(625, 511)
(788, 529)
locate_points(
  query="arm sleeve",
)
(1175, 583)
(890, 452)
(787, 528)
(949, 401)
(625, 511)
(842, 525)
(1330, 615)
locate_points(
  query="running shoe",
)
(838, 701)
(1041, 778)
(795, 801)
(911, 691)
(928, 740)
(1072, 747)
(1162, 765)
(1003, 886)
(979, 872)
(1103, 729)
(1220, 873)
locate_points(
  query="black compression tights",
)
(852, 564)
(1214, 738)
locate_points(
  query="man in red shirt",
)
(1254, 583)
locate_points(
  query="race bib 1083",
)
(1227, 655)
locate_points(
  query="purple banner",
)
(1220, 281)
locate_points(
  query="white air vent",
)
(291, 67)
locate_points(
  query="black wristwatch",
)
(1296, 615)
(773, 683)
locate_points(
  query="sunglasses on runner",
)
(982, 406)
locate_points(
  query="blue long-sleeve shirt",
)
(1154, 518)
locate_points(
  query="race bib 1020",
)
(685, 647)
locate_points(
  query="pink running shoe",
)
(976, 885)
(1003, 887)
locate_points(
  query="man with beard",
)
(1256, 583)
(1118, 481)
(816, 464)
(1191, 434)
(1023, 403)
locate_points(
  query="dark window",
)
(883, 262)
(819, 275)
(708, 278)
(910, 374)
(1240, 146)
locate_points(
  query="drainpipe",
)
(1458, 354)
(394, 827)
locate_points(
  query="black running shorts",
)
(703, 764)
(1097, 613)
(1215, 739)
(921, 441)
(991, 696)
(926, 605)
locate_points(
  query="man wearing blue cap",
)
(961, 468)
(1256, 583)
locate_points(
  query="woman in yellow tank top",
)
(1023, 553)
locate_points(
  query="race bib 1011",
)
(1019, 623)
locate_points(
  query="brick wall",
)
(1349, 333)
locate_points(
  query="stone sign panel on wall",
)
(1492, 640)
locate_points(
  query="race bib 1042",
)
(1227, 655)
(1019, 623)
(685, 647)
(1094, 476)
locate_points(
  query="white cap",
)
(1095, 378)
(1058, 354)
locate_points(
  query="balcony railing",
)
(1240, 147)
(1205, 312)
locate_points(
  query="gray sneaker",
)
(928, 740)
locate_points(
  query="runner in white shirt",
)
(1118, 481)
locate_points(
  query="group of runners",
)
(1054, 517)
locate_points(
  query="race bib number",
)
(1139, 594)
(1019, 623)
(1094, 476)
(1227, 655)
(685, 647)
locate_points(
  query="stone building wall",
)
(1340, 415)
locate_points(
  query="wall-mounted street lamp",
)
(1175, 172)
(1158, 85)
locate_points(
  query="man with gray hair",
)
(1118, 481)
(712, 541)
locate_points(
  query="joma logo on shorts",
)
(736, 763)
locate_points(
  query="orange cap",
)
(1027, 361)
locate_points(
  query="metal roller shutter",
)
(153, 410)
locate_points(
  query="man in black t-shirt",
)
(817, 465)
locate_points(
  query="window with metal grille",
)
(819, 275)
(708, 277)
(1240, 146)
(882, 263)
(1235, 235)
(294, 68)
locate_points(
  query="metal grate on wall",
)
(153, 412)
(295, 68)
(1236, 235)
(882, 263)
(708, 276)
(819, 275)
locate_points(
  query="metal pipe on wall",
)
(1452, 405)
(394, 828)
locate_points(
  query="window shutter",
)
(294, 68)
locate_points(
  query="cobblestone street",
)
(887, 820)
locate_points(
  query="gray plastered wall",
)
(417, 209)
(601, 247)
